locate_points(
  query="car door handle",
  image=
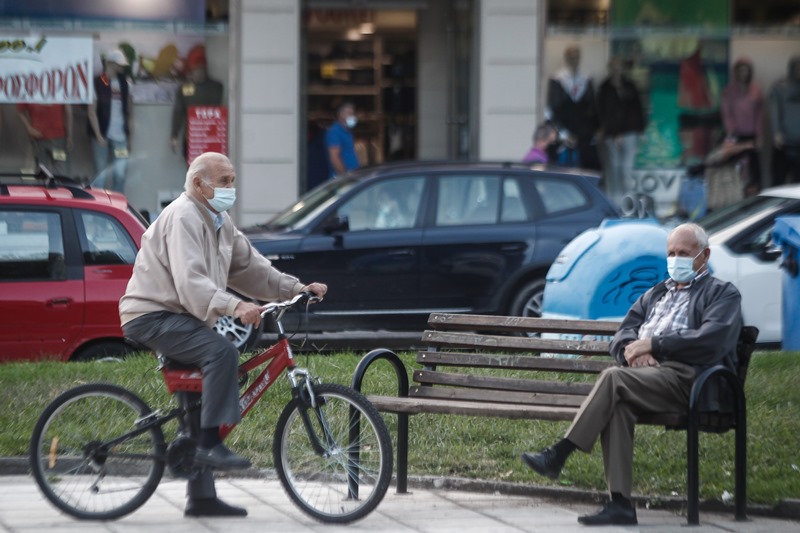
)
(102, 271)
(512, 247)
(401, 253)
(59, 301)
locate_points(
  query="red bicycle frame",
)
(191, 379)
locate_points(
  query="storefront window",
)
(366, 58)
(110, 102)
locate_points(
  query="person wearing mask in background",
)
(672, 333)
(743, 115)
(621, 122)
(199, 90)
(544, 137)
(111, 121)
(49, 127)
(339, 141)
(189, 256)
(785, 119)
(571, 108)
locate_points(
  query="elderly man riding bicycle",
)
(189, 257)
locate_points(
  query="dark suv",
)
(396, 242)
(66, 254)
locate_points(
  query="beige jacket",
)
(185, 265)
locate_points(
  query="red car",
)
(66, 254)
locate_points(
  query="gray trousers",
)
(185, 339)
(610, 411)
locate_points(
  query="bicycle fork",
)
(302, 390)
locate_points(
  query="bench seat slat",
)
(520, 324)
(503, 410)
(520, 344)
(514, 362)
(505, 397)
(501, 383)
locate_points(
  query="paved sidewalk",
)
(22, 509)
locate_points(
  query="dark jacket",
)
(715, 320)
(579, 118)
(102, 92)
(620, 109)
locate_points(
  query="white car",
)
(742, 252)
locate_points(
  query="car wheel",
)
(103, 351)
(244, 337)
(529, 299)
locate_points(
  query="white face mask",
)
(351, 121)
(680, 268)
(224, 198)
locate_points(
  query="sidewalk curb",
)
(785, 509)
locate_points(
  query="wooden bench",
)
(454, 380)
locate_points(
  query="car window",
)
(104, 241)
(31, 246)
(465, 200)
(560, 195)
(513, 208)
(310, 205)
(386, 204)
(719, 219)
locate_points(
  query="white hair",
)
(699, 233)
(201, 165)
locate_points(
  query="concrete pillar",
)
(511, 36)
(265, 108)
(432, 57)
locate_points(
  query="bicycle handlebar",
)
(279, 306)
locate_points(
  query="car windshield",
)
(721, 219)
(310, 205)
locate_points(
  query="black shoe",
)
(221, 458)
(612, 514)
(546, 463)
(211, 507)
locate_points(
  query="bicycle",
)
(98, 451)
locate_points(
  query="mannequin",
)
(198, 90)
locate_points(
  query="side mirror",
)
(770, 253)
(336, 224)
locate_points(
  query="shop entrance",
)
(367, 58)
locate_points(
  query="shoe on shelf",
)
(221, 458)
(545, 463)
(211, 507)
(612, 514)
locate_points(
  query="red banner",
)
(206, 130)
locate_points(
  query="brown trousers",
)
(610, 411)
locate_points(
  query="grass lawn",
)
(482, 448)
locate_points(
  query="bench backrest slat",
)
(479, 395)
(517, 362)
(520, 324)
(473, 381)
(519, 344)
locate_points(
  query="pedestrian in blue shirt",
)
(339, 141)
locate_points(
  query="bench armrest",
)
(376, 355)
(700, 386)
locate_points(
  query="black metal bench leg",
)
(402, 453)
(741, 466)
(692, 474)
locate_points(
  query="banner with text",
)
(206, 131)
(46, 70)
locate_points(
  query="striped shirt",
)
(671, 312)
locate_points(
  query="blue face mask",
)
(224, 198)
(680, 268)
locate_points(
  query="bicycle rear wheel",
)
(76, 464)
(348, 477)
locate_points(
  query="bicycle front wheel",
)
(91, 458)
(337, 463)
